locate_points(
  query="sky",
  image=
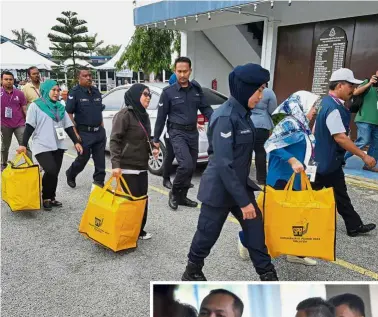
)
(112, 20)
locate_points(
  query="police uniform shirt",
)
(87, 107)
(181, 106)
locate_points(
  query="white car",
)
(114, 101)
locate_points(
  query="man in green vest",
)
(367, 119)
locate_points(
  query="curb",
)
(362, 181)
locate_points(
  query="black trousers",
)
(343, 203)
(185, 147)
(93, 144)
(210, 225)
(167, 167)
(138, 185)
(260, 155)
(51, 163)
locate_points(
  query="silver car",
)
(114, 101)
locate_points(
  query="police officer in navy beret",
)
(84, 106)
(181, 102)
(225, 185)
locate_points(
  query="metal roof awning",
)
(170, 10)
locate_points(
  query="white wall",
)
(208, 63)
(233, 44)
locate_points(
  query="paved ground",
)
(49, 269)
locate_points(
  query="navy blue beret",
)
(252, 74)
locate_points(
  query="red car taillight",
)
(201, 119)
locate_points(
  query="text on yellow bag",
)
(301, 223)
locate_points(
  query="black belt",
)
(87, 128)
(182, 126)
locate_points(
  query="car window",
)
(114, 100)
(212, 97)
(154, 101)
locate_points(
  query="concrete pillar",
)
(138, 77)
(269, 48)
(99, 80)
(115, 78)
(188, 48)
(163, 79)
(107, 77)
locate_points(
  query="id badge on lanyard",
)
(59, 130)
(8, 109)
(311, 170)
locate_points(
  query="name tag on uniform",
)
(97, 99)
(245, 131)
(60, 133)
(84, 100)
(8, 112)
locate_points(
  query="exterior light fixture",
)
(209, 16)
(271, 4)
(254, 7)
(134, 2)
(185, 20)
(197, 18)
(289, 2)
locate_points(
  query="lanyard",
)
(11, 97)
(35, 89)
(55, 113)
(337, 100)
(145, 131)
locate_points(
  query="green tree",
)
(24, 37)
(108, 50)
(93, 46)
(70, 41)
(149, 50)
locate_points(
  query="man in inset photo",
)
(315, 307)
(221, 302)
(348, 305)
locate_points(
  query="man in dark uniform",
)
(85, 102)
(225, 185)
(180, 102)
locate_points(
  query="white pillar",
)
(106, 76)
(163, 79)
(65, 79)
(269, 48)
(115, 78)
(99, 80)
(184, 43)
(188, 48)
(138, 77)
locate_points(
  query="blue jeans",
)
(367, 134)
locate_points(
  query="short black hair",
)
(188, 310)
(183, 59)
(238, 305)
(353, 301)
(316, 307)
(80, 69)
(31, 68)
(6, 73)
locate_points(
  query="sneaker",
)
(243, 251)
(299, 260)
(145, 236)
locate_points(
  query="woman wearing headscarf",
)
(291, 147)
(225, 185)
(131, 146)
(48, 122)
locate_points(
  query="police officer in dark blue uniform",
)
(84, 106)
(180, 102)
(225, 184)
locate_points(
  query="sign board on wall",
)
(330, 56)
(124, 73)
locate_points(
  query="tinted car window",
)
(114, 100)
(212, 97)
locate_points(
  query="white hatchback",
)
(114, 101)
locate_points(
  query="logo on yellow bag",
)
(98, 222)
(300, 231)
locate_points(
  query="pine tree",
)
(70, 41)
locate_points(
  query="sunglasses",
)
(147, 94)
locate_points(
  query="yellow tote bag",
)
(112, 217)
(301, 223)
(21, 184)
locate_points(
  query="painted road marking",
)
(339, 262)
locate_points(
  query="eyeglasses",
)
(147, 94)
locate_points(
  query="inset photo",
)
(263, 300)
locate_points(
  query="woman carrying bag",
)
(48, 121)
(291, 148)
(131, 146)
